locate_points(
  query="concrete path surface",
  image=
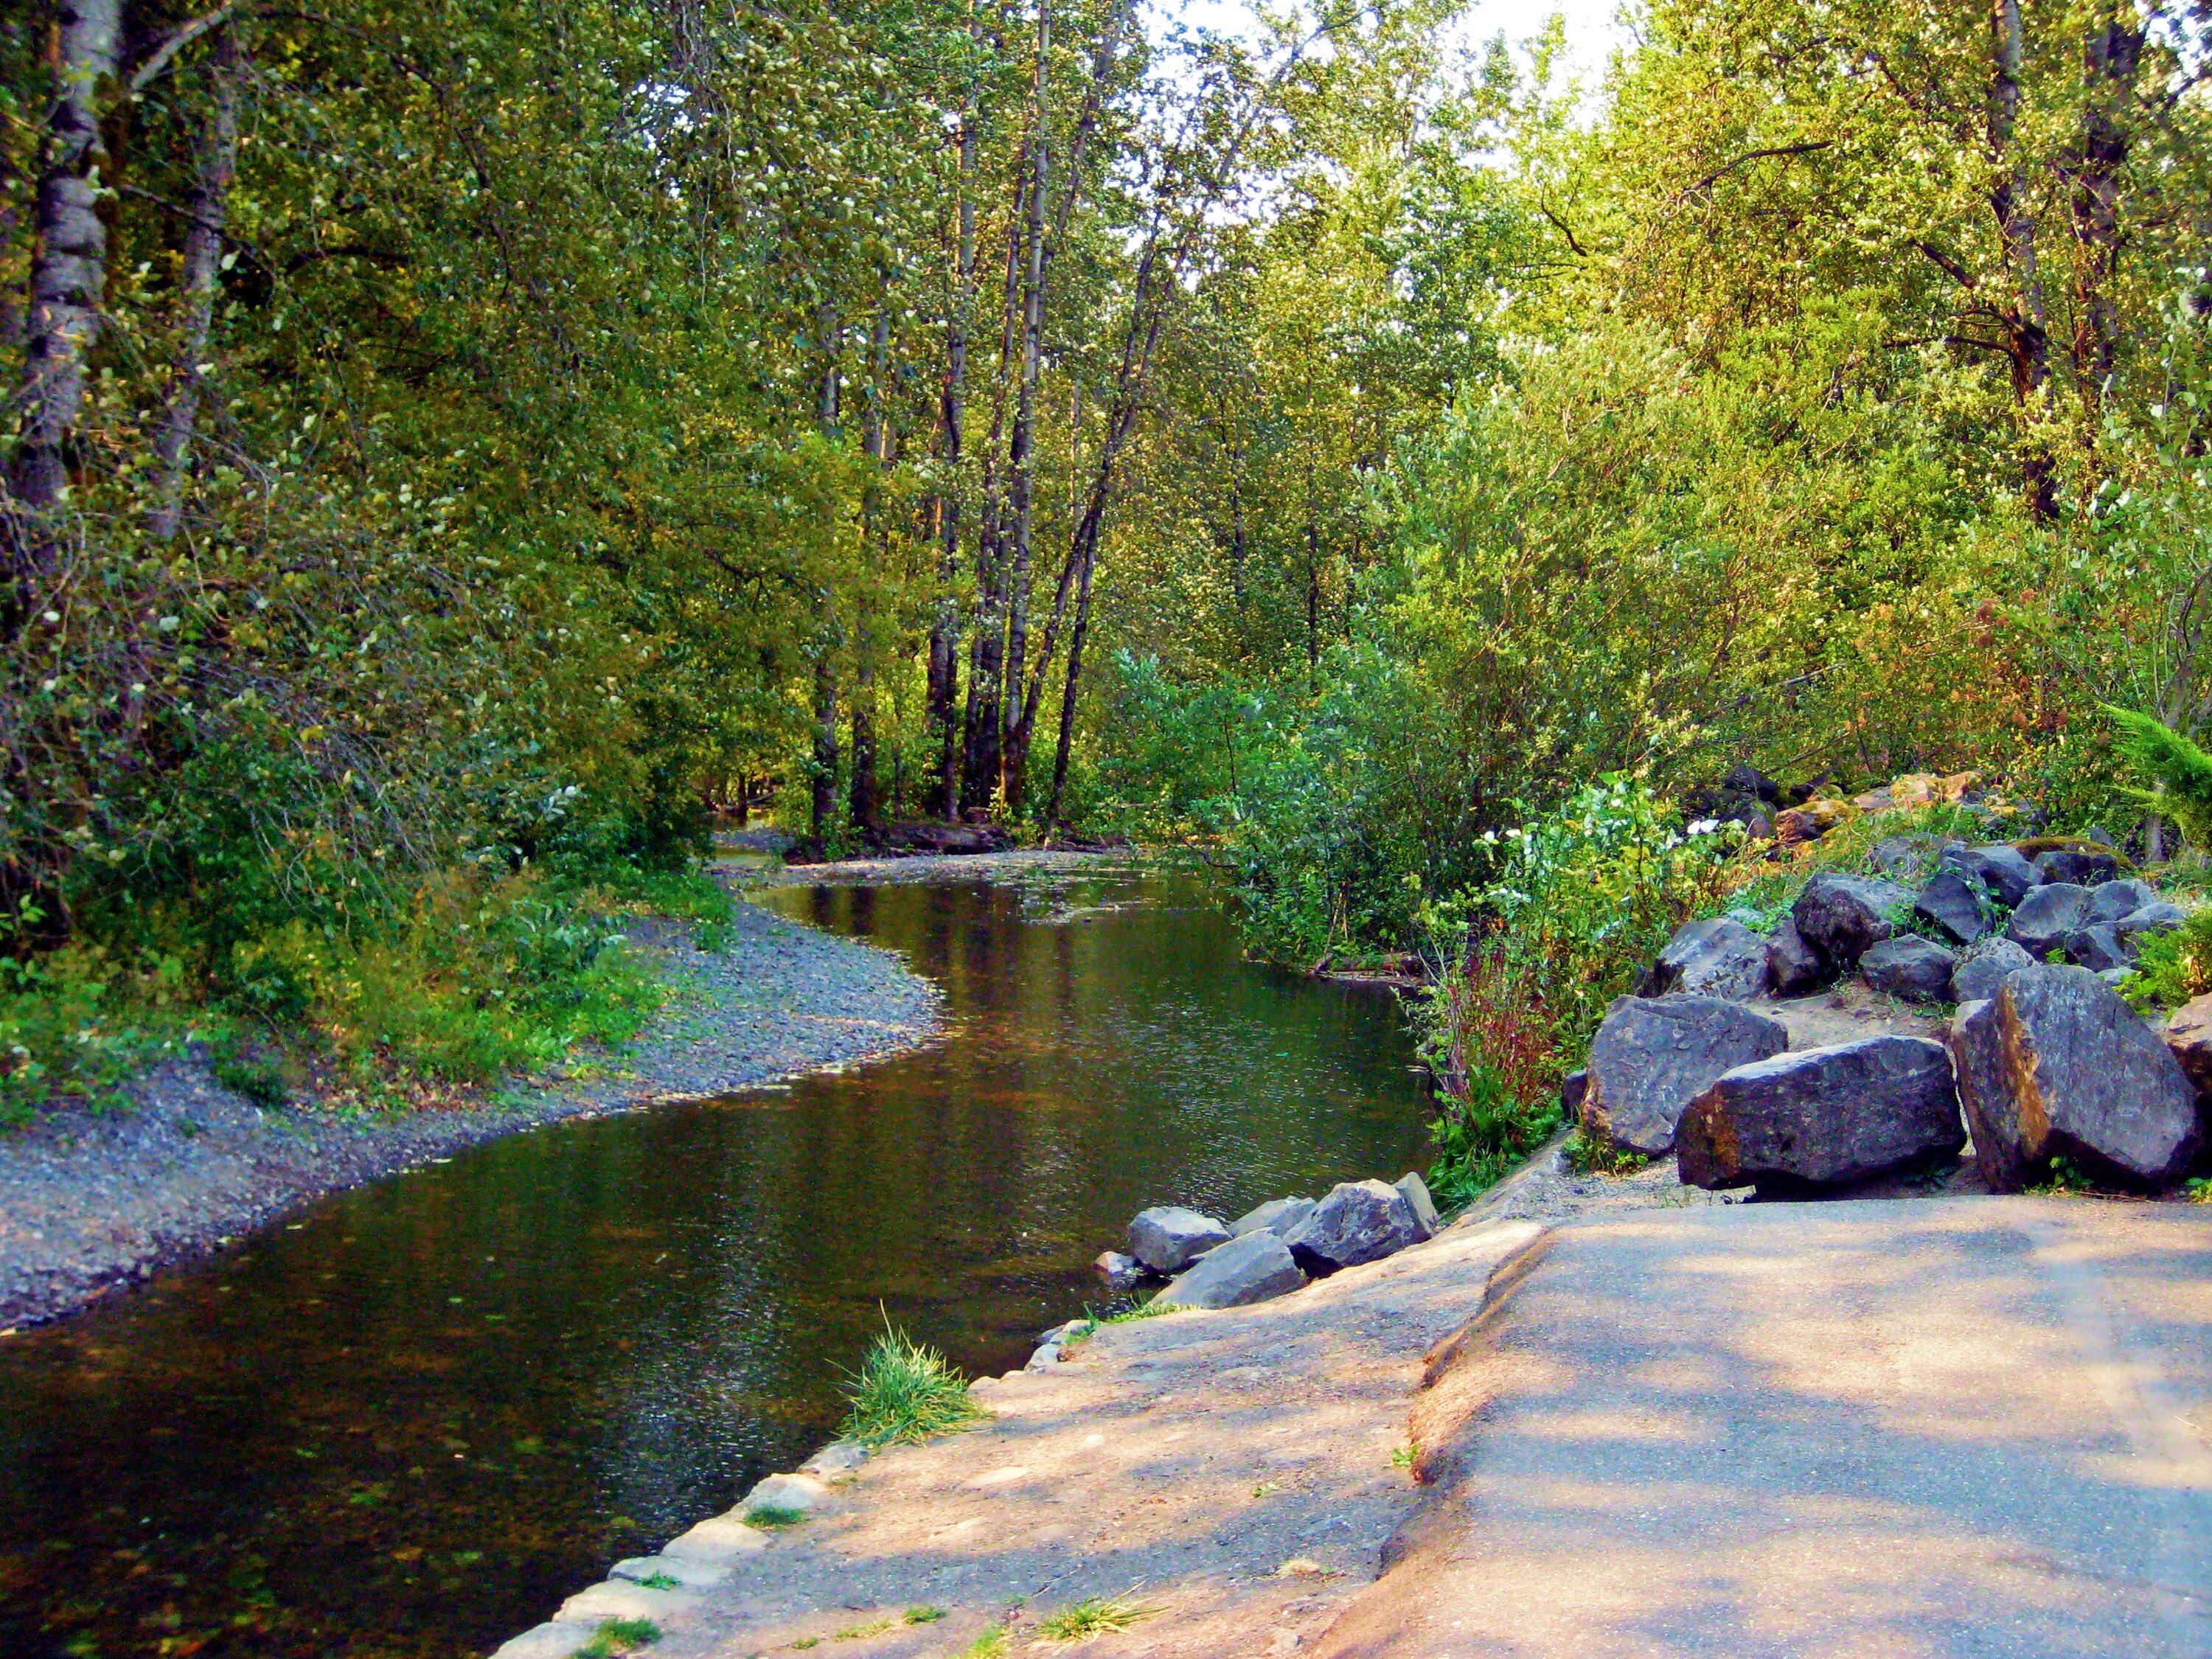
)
(1969, 1426)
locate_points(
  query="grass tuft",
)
(618, 1636)
(1091, 1618)
(905, 1392)
(773, 1515)
(991, 1644)
(924, 1615)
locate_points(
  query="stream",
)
(407, 1422)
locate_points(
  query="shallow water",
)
(410, 1422)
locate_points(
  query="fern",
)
(2180, 773)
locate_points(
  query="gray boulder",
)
(2001, 868)
(1983, 969)
(2155, 918)
(2056, 1065)
(1824, 1116)
(1119, 1271)
(1842, 917)
(2080, 868)
(2046, 915)
(1416, 1192)
(1278, 1216)
(2100, 949)
(1716, 957)
(1955, 902)
(1167, 1238)
(1359, 1221)
(1908, 858)
(1793, 967)
(1654, 1056)
(1909, 966)
(2115, 899)
(1255, 1267)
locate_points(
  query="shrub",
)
(2171, 968)
(903, 1393)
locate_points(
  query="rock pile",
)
(1265, 1253)
(2042, 1061)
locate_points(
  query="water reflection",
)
(408, 1426)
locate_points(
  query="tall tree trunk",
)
(945, 631)
(1065, 741)
(979, 778)
(2112, 55)
(825, 744)
(1021, 452)
(202, 270)
(825, 645)
(866, 810)
(2027, 338)
(69, 272)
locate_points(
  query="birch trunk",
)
(69, 270)
(1021, 451)
(203, 270)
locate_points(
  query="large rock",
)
(1908, 858)
(1256, 1268)
(1909, 966)
(1416, 1192)
(2189, 1038)
(2080, 869)
(1167, 1238)
(1955, 902)
(1654, 1056)
(2100, 949)
(1359, 1221)
(2046, 915)
(2155, 918)
(1842, 917)
(2001, 867)
(1716, 957)
(1278, 1216)
(2115, 899)
(2056, 1065)
(1824, 1116)
(1984, 968)
(1793, 967)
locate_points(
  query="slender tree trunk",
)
(203, 270)
(69, 272)
(825, 744)
(2026, 325)
(945, 632)
(865, 807)
(825, 645)
(1065, 742)
(1021, 452)
(978, 777)
(2111, 58)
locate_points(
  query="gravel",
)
(90, 1202)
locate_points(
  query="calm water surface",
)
(408, 1425)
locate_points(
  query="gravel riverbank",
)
(90, 1202)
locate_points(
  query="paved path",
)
(1967, 1426)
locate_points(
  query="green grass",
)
(923, 1615)
(259, 1080)
(616, 1636)
(773, 1515)
(1093, 1323)
(1592, 1157)
(904, 1392)
(1403, 1458)
(854, 1632)
(991, 1644)
(659, 1581)
(1091, 1618)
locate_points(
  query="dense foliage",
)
(458, 446)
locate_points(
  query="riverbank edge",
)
(91, 1202)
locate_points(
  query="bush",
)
(1584, 898)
